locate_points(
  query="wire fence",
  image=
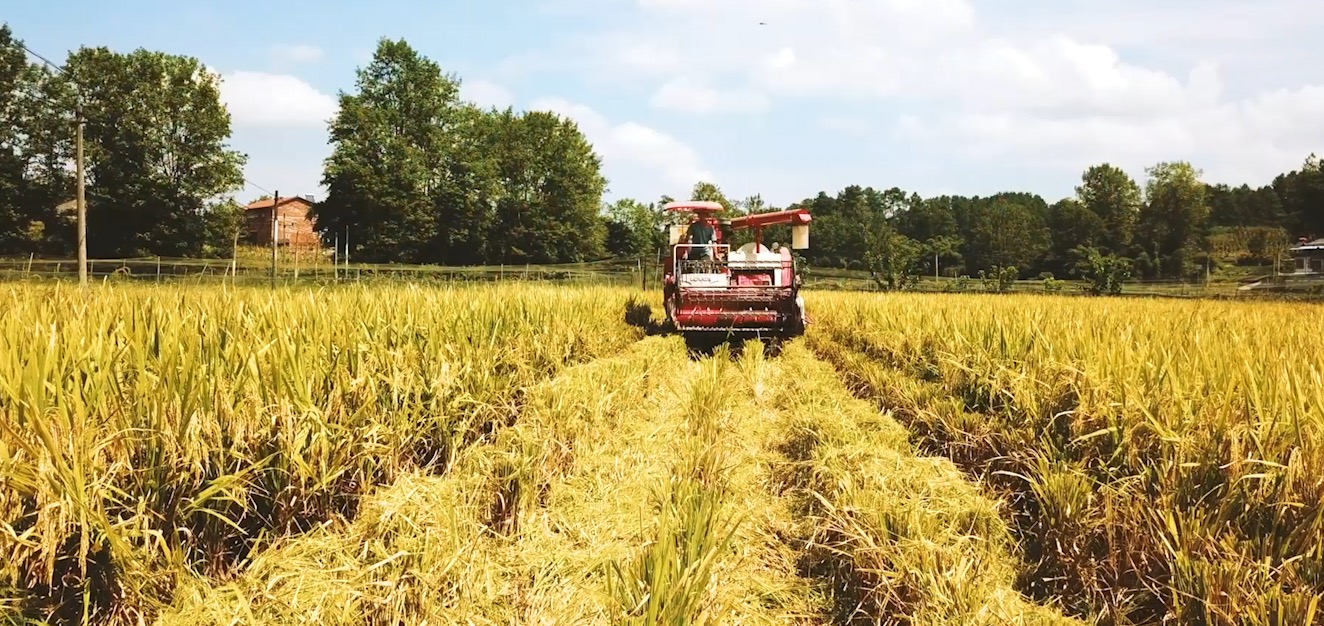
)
(165, 269)
(643, 272)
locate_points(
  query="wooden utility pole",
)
(275, 202)
(81, 202)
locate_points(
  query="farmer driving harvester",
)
(706, 233)
(702, 232)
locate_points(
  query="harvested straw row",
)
(901, 539)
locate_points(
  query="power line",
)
(45, 60)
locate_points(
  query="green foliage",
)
(35, 141)
(942, 250)
(1007, 231)
(891, 257)
(998, 278)
(157, 151)
(634, 228)
(1072, 225)
(1113, 196)
(1105, 273)
(419, 176)
(224, 225)
(1172, 222)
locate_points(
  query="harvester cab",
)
(753, 290)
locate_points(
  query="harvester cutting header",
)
(709, 288)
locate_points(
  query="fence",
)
(163, 269)
(627, 272)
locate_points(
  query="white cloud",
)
(640, 149)
(275, 100)
(687, 95)
(296, 53)
(1247, 141)
(1055, 85)
(486, 94)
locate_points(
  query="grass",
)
(1164, 458)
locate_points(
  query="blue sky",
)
(933, 96)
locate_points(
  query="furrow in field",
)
(656, 513)
(900, 538)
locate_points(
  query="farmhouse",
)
(294, 227)
(1309, 256)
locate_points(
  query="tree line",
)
(418, 175)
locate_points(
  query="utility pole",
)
(81, 201)
(275, 202)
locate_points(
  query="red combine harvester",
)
(713, 291)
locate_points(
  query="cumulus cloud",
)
(631, 149)
(1054, 86)
(261, 99)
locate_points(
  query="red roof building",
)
(294, 225)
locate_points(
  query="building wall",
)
(294, 226)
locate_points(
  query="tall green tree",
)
(634, 228)
(890, 257)
(706, 191)
(1008, 230)
(941, 252)
(35, 140)
(930, 219)
(1071, 225)
(158, 159)
(1171, 227)
(1115, 197)
(395, 143)
(1301, 193)
(552, 189)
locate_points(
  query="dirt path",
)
(653, 488)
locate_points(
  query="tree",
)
(1007, 231)
(890, 256)
(942, 250)
(1115, 197)
(1105, 272)
(1172, 222)
(156, 148)
(35, 142)
(395, 147)
(930, 219)
(634, 228)
(1071, 225)
(552, 189)
(224, 226)
(705, 191)
(1301, 193)
(417, 175)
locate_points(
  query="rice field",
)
(521, 454)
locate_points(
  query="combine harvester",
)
(713, 293)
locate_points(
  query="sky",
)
(781, 98)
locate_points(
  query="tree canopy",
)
(418, 175)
